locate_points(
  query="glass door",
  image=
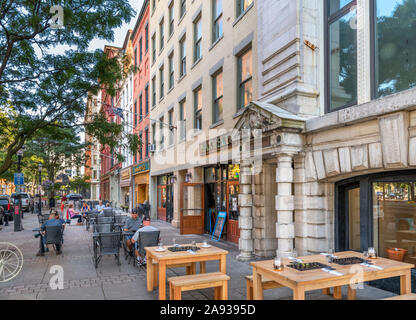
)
(233, 210)
(354, 219)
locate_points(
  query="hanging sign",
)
(219, 226)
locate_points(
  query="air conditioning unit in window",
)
(152, 148)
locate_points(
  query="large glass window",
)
(242, 6)
(342, 54)
(198, 108)
(218, 97)
(182, 120)
(171, 18)
(394, 218)
(162, 82)
(183, 56)
(171, 72)
(245, 75)
(217, 20)
(162, 34)
(395, 46)
(198, 39)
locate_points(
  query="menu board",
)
(219, 226)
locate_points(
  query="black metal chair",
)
(108, 212)
(101, 219)
(91, 219)
(147, 239)
(54, 235)
(104, 227)
(42, 219)
(107, 244)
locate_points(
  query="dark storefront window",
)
(377, 211)
(395, 46)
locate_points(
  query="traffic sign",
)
(19, 179)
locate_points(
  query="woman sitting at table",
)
(74, 215)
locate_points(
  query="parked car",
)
(6, 208)
(27, 201)
(74, 197)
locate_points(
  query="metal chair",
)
(42, 219)
(107, 244)
(90, 219)
(101, 219)
(105, 227)
(147, 239)
(108, 212)
(54, 235)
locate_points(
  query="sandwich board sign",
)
(219, 226)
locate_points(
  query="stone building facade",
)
(337, 126)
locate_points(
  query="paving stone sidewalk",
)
(111, 282)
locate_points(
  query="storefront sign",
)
(219, 226)
(140, 168)
(125, 174)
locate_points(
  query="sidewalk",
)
(111, 282)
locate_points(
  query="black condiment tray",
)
(183, 248)
(307, 266)
(348, 261)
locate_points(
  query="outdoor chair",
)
(105, 227)
(42, 219)
(146, 239)
(107, 244)
(101, 219)
(90, 218)
(108, 212)
(54, 235)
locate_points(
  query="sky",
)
(120, 33)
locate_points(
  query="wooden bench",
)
(190, 269)
(409, 296)
(266, 284)
(217, 280)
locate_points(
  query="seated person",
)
(135, 240)
(51, 222)
(132, 224)
(85, 209)
(100, 207)
(58, 217)
(74, 214)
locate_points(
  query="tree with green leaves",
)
(46, 73)
(58, 148)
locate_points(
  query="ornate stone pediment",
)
(268, 117)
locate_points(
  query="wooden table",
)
(301, 281)
(167, 258)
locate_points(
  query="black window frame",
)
(328, 20)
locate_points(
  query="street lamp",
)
(40, 183)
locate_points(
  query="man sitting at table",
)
(100, 207)
(51, 222)
(135, 240)
(132, 224)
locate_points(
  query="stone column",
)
(177, 193)
(245, 220)
(285, 228)
(301, 222)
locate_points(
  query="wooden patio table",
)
(301, 281)
(167, 258)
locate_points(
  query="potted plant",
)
(397, 254)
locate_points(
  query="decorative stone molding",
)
(394, 139)
(359, 157)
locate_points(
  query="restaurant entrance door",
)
(233, 211)
(161, 203)
(192, 209)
